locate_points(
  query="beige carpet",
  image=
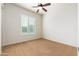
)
(39, 47)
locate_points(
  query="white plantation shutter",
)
(32, 24)
(28, 24)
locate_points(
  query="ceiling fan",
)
(42, 6)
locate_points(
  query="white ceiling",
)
(29, 6)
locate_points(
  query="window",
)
(28, 25)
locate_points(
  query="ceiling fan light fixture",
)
(40, 5)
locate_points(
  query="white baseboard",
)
(61, 42)
(19, 42)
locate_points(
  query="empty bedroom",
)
(39, 29)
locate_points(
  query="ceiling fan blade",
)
(47, 4)
(37, 11)
(44, 9)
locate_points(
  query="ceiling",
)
(29, 6)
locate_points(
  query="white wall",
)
(11, 28)
(0, 28)
(78, 30)
(60, 23)
(78, 25)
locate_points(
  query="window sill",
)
(28, 33)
